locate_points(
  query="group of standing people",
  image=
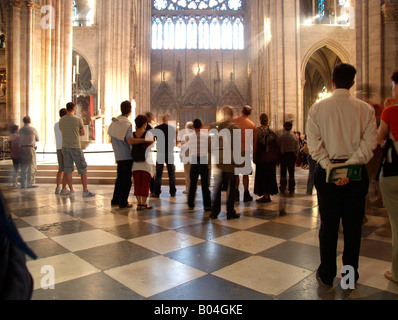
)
(341, 130)
(135, 160)
(133, 149)
(23, 154)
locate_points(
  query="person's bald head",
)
(166, 118)
(228, 113)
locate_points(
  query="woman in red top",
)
(389, 180)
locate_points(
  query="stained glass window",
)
(197, 5)
(83, 13)
(204, 24)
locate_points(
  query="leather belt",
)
(27, 146)
(339, 161)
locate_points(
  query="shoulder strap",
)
(395, 143)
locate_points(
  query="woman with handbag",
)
(388, 137)
(143, 169)
(266, 154)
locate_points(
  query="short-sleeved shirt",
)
(58, 136)
(70, 126)
(121, 147)
(390, 117)
(28, 136)
(15, 148)
(288, 142)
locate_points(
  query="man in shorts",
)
(72, 128)
(60, 174)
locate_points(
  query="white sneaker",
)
(65, 192)
(57, 191)
(88, 194)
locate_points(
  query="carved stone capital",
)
(33, 5)
(390, 13)
(15, 3)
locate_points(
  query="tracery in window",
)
(83, 13)
(197, 5)
(205, 24)
(331, 12)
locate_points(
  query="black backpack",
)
(268, 148)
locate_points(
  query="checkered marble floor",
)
(100, 252)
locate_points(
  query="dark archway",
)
(318, 74)
(84, 94)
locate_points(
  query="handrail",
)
(4, 149)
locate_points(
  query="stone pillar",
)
(284, 65)
(390, 15)
(13, 52)
(115, 49)
(143, 89)
(66, 50)
(29, 55)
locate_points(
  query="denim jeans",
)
(123, 183)
(171, 169)
(288, 164)
(201, 170)
(229, 179)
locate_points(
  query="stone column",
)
(29, 55)
(143, 90)
(115, 49)
(56, 66)
(284, 64)
(66, 52)
(390, 15)
(13, 51)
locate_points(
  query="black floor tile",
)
(208, 256)
(210, 288)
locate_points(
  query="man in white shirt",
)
(198, 146)
(58, 139)
(341, 129)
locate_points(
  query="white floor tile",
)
(65, 267)
(86, 240)
(267, 276)
(242, 223)
(153, 276)
(371, 273)
(299, 220)
(45, 219)
(167, 241)
(31, 234)
(109, 220)
(248, 241)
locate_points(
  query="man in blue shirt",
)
(120, 131)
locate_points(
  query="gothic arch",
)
(84, 58)
(330, 44)
(317, 75)
(232, 97)
(198, 95)
(164, 101)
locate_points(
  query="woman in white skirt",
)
(389, 175)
